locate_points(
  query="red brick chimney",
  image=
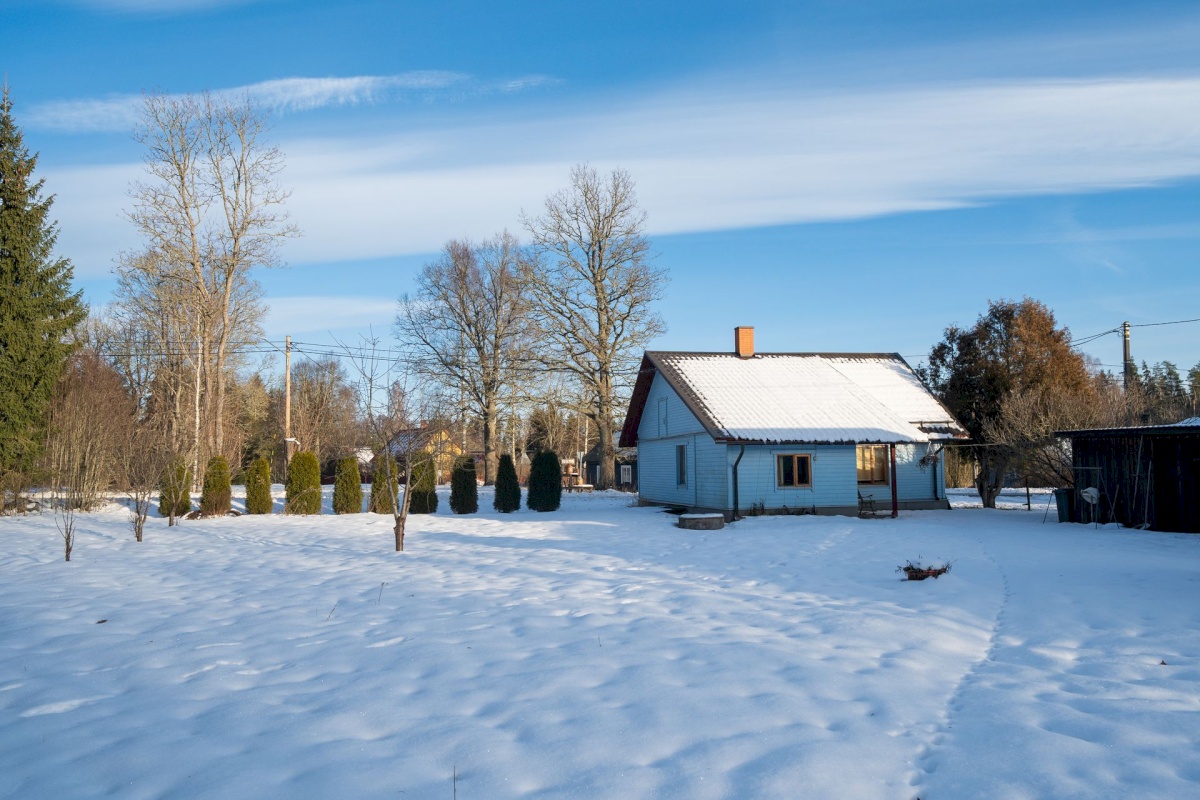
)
(743, 341)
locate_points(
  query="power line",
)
(1156, 324)
(1074, 342)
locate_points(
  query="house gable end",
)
(667, 415)
(653, 367)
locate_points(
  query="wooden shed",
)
(624, 466)
(1145, 476)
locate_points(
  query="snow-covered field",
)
(599, 652)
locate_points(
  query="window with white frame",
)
(626, 474)
(681, 465)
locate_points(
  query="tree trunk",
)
(990, 478)
(219, 400)
(400, 505)
(606, 473)
(491, 458)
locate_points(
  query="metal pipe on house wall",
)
(737, 461)
(895, 495)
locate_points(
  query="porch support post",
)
(892, 473)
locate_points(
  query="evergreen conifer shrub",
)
(508, 489)
(422, 482)
(383, 497)
(347, 487)
(545, 482)
(303, 484)
(174, 490)
(464, 490)
(258, 488)
(215, 494)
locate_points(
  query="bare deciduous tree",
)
(145, 454)
(87, 423)
(592, 289)
(323, 408)
(467, 329)
(1028, 419)
(390, 396)
(209, 215)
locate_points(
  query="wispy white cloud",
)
(734, 160)
(113, 113)
(526, 83)
(709, 163)
(120, 112)
(304, 94)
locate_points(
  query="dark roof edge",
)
(791, 442)
(1137, 430)
(637, 402)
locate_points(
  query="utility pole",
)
(196, 410)
(1128, 358)
(462, 393)
(287, 397)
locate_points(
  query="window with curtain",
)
(872, 464)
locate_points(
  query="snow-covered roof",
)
(799, 397)
(1190, 422)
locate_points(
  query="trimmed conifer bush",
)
(347, 487)
(303, 484)
(545, 482)
(508, 489)
(258, 488)
(422, 482)
(215, 494)
(383, 497)
(464, 490)
(174, 490)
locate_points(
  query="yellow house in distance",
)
(427, 440)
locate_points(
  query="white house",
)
(830, 433)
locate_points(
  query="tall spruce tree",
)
(37, 306)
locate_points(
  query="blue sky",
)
(849, 177)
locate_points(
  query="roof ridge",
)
(761, 354)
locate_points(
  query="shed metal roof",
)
(1187, 427)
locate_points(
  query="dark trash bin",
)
(1065, 499)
